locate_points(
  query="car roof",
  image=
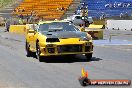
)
(46, 22)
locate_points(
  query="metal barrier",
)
(19, 29)
(111, 35)
(96, 26)
(119, 25)
(95, 33)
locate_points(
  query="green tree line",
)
(4, 3)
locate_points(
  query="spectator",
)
(31, 18)
(35, 18)
(62, 8)
(33, 12)
(14, 21)
(21, 21)
(27, 17)
(126, 15)
(23, 10)
(7, 25)
(103, 16)
(121, 15)
(42, 19)
(18, 10)
(21, 16)
(58, 9)
(14, 10)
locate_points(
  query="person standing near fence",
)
(21, 16)
(21, 21)
(27, 17)
(7, 25)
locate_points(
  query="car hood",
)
(64, 34)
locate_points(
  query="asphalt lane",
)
(19, 71)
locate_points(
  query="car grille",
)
(69, 48)
(87, 48)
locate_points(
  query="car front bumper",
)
(66, 50)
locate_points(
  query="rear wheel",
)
(88, 56)
(27, 46)
(38, 52)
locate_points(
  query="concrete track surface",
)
(19, 71)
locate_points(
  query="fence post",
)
(110, 36)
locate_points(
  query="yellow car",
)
(52, 38)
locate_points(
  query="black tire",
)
(88, 56)
(84, 81)
(28, 52)
(71, 55)
(38, 52)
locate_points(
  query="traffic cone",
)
(84, 81)
(84, 74)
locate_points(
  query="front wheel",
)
(38, 52)
(88, 56)
(27, 46)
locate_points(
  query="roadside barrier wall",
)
(18, 29)
(96, 26)
(96, 34)
(119, 25)
(22, 29)
(96, 31)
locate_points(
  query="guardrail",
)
(111, 35)
(119, 25)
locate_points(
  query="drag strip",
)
(19, 71)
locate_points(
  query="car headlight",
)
(51, 50)
(88, 44)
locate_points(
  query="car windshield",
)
(57, 26)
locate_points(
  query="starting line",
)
(112, 42)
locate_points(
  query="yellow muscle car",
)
(52, 38)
